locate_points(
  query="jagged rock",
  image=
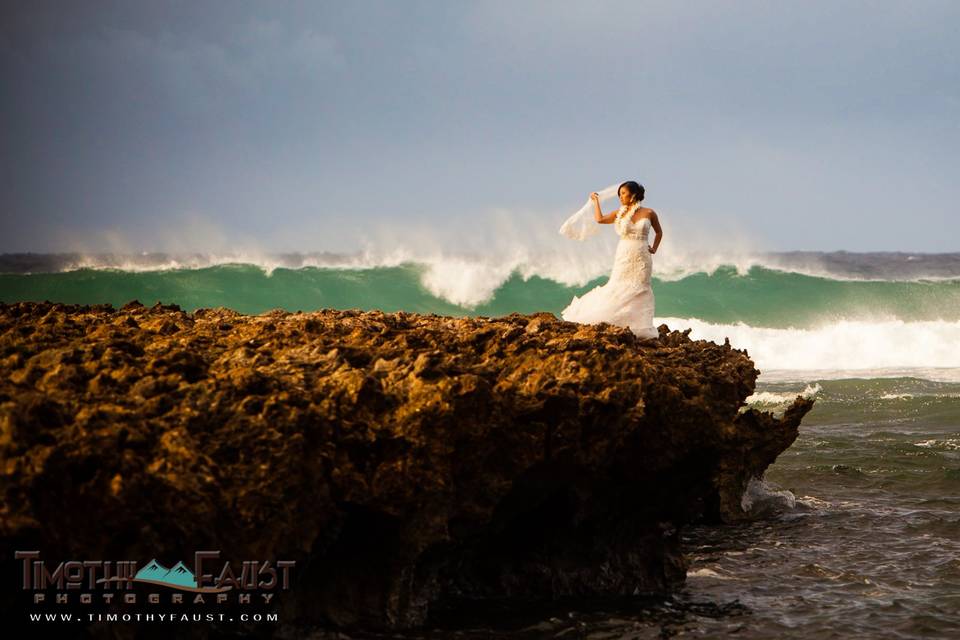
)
(406, 461)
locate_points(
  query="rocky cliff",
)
(406, 462)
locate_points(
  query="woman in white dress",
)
(626, 299)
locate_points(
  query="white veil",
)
(582, 224)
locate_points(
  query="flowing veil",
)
(581, 225)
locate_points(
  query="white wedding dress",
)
(626, 299)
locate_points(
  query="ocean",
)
(857, 529)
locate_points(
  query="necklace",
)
(624, 210)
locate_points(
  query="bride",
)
(627, 298)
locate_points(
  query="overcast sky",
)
(301, 126)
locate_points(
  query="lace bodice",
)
(626, 229)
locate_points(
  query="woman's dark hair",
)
(633, 187)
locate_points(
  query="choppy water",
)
(867, 541)
(858, 529)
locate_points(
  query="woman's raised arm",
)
(598, 212)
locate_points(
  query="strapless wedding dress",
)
(626, 299)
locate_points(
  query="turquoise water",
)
(762, 297)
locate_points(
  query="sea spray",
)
(853, 324)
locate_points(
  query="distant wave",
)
(572, 266)
(761, 297)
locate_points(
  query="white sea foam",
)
(952, 444)
(761, 497)
(463, 282)
(152, 262)
(911, 396)
(814, 502)
(570, 264)
(471, 277)
(488, 246)
(771, 398)
(843, 349)
(708, 573)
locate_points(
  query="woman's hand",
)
(595, 197)
(652, 250)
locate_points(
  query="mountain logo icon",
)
(178, 576)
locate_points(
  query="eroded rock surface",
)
(406, 461)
